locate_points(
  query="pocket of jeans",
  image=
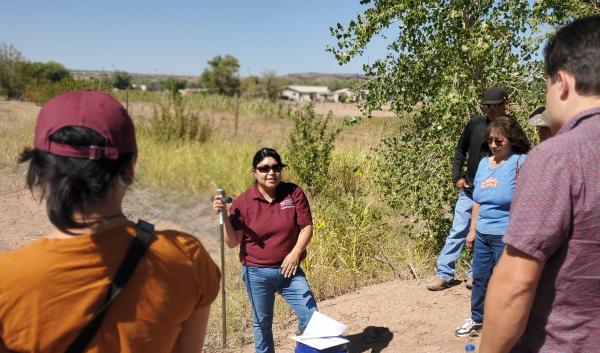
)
(244, 269)
(300, 272)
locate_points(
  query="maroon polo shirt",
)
(271, 229)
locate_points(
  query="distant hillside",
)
(98, 74)
(293, 78)
(323, 76)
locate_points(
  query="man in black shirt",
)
(469, 147)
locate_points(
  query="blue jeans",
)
(488, 249)
(455, 242)
(261, 284)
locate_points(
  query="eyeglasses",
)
(499, 142)
(276, 168)
(490, 106)
(493, 106)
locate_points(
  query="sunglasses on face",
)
(493, 106)
(499, 142)
(276, 168)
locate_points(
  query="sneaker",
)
(468, 329)
(438, 284)
(469, 283)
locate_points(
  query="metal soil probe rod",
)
(221, 193)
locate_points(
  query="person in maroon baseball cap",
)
(82, 163)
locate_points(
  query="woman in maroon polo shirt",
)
(272, 224)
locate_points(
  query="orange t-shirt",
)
(50, 289)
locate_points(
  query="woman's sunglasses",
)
(276, 168)
(499, 142)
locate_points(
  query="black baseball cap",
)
(494, 95)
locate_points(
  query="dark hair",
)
(264, 153)
(68, 183)
(513, 131)
(576, 49)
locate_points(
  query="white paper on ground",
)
(321, 343)
(322, 332)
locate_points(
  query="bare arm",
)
(509, 299)
(290, 263)
(193, 332)
(233, 237)
(473, 229)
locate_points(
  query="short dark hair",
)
(264, 153)
(513, 131)
(70, 183)
(576, 49)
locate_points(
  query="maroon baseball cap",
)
(94, 110)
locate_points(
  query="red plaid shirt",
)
(555, 217)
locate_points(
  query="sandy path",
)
(395, 317)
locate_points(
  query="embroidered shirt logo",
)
(287, 203)
(489, 183)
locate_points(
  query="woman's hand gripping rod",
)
(226, 200)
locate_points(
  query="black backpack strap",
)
(143, 238)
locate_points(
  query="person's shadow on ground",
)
(372, 339)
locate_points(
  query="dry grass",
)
(17, 121)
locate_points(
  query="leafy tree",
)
(222, 75)
(174, 84)
(13, 71)
(49, 72)
(250, 86)
(120, 80)
(272, 85)
(441, 55)
(267, 86)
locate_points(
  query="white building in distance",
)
(299, 93)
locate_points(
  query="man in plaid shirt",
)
(544, 295)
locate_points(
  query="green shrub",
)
(310, 145)
(172, 121)
(41, 93)
(356, 238)
(120, 80)
(173, 84)
(18, 75)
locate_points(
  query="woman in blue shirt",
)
(494, 185)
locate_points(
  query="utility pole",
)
(237, 104)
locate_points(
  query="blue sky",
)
(179, 37)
